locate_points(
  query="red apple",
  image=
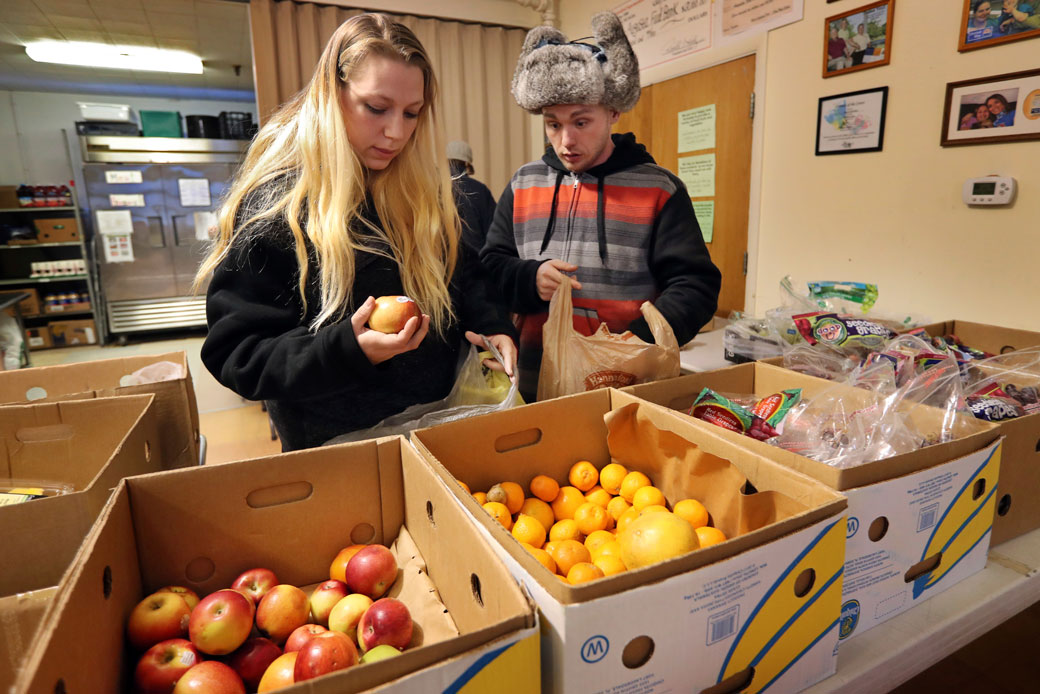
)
(189, 595)
(163, 664)
(386, 622)
(210, 677)
(281, 611)
(301, 635)
(279, 673)
(158, 617)
(324, 598)
(347, 613)
(392, 312)
(252, 659)
(255, 583)
(372, 571)
(221, 622)
(326, 652)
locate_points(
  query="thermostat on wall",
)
(989, 190)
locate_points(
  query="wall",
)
(893, 217)
(504, 12)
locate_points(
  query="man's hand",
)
(505, 346)
(549, 276)
(379, 347)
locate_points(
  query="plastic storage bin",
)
(161, 124)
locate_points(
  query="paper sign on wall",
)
(705, 211)
(116, 228)
(119, 248)
(204, 222)
(698, 173)
(697, 128)
(123, 177)
(114, 222)
(121, 200)
(660, 32)
(194, 192)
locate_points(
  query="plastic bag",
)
(10, 342)
(153, 373)
(474, 393)
(1012, 379)
(573, 363)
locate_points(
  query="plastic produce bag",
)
(1005, 386)
(153, 373)
(573, 363)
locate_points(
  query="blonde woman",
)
(343, 197)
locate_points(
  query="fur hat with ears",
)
(553, 71)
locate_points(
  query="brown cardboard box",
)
(29, 306)
(38, 338)
(20, 615)
(9, 197)
(66, 333)
(989, 338)
(290, 513)
(90, 445)
(174, 400)
(57, 230)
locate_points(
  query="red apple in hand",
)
(392, 312)
(281, 611)
(158, 617)
(386, 622)
(221, 622)
(252, 659)
(326, 652)
(371, 571)
(255, 583)
(163, 664)
(324, 598)
(279, 673)
(189, 595)
(301, 635)
(347, 613)
(210, 677)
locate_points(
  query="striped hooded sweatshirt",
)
(627, 224)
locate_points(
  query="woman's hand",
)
(549, 276)
(379, 347)
(505, 346)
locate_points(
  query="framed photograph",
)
(858, 39)
(1001, 108)
(989, 22)
(852, 122)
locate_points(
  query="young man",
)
(595, 211)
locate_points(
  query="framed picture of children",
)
(1001, 108)
(858, 39)
(989, 22)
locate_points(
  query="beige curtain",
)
(473, 63)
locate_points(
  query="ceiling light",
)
(119, 57)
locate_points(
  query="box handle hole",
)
(1006, 348)
(279, 494)
(923, 567)
(737, 682)
(804, 583)
(35, 393)
(637, 652)
(878, 529)
(147, 452)
(106, 582)
(1004, 505)
(429, 513)
(521, 439)
(1038, 445)
(978, 489)
(200, 569)
(59, 687)
(474, 584)
(362, 534)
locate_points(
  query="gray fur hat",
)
(552, 71)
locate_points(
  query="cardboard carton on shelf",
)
(67, 333)
(57, 230)
(760, 609)
(291, 513)
(917, 523)
(38, 337)
(29, 306)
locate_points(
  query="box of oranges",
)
(660, 556)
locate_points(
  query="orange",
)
(338, 568)
(692, 511)
(590, 517)
(567, 529)
(545, 488)
(543, 557)
(648, 496)
(632, 482)
(655, 508)
(609, 564)
(599, 496)
(567, 502)
(617, 506)
(530, 530)
(551, 546)
(509, 493)
(597, 538)
(583, 572)
(568, 553)
(656, 537)
(626, 518)
(540, 510)
(709, 536)
(481, 497)
(611, 476)
(500, 513)
(464, 486)
(607, 549)
(583, 475)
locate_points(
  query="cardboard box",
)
(90, 445)
(290, 513)
(67, 333)
(9, 197)
(38, 338)
(20, 615)
(904, 511)
(688, 623)
(174, 400)
(57, 230)
(989, 338)
(30, 306)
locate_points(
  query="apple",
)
(386, 622)
(324, 598)
(163, 664)
(252, 659)
(279, 673)
(221, 622)
(281, 611)
(325, 653)
(210, 677)
(347, 613)
(189, 595)
(392, 312)
(338, 569)
(255, 583)
(372, 571)
(380, 652)
(158, 617)
(301, 635)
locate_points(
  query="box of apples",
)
(347, 567)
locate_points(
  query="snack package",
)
(857, 293)
(18, 491)
(843, 332)
(992, 404)
(820, 361)
(762, 421)
(1004, 386)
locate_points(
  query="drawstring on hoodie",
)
(601, 224)
(552, 212)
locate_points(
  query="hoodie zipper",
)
(571, 209)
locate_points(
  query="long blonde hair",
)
(300, 166)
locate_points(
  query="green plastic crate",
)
(161, 123)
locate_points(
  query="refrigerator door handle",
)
(156, 233)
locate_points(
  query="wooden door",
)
(730, 87)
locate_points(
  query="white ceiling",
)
(215, 30)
